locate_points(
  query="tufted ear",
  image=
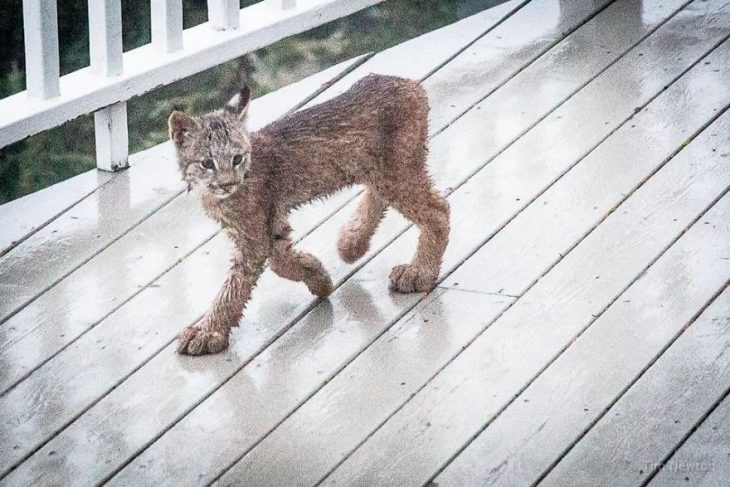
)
(238, 105)
(181, 126)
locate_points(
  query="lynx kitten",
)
(374, 135)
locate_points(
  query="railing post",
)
(167, 24)
(40, 29)
(112, 142)
(223, 14)
(282, 4)
(110, 123)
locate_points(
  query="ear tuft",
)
(181, 125)
(238, 105)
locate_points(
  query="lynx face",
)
(214, 151)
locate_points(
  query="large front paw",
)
(197, 341)
(407, 278)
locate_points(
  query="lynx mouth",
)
(223, 193)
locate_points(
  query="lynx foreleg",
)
(299, 266)
(211, 334)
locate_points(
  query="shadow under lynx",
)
(374, 135)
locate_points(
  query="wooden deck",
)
(580, 334)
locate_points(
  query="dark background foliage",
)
(58, 154)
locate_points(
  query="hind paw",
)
(351, 248)
(407, 278)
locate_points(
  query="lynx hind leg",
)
(355, 236)
(429, 211)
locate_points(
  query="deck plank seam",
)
(579, 334)
(547, 48)
(641, 373)
(477, 39)
(476, 291)
(446, 275)
(447, 193)
(53, 218)
(688, 435)
(289, 325)
(428, 298)
(586, 83)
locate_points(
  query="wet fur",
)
(374, 135)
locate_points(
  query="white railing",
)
(114, 77)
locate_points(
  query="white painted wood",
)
(145, 69)
(539, 25)
(112, 140)
(513, 350)
(24, 216)
(309, 444)
(105, 37)
(223, 14)
(105, 50)
(40, 33)
(165, 367)
(633, 438)
(167, 25)
(707, 445)
(533, 433)
(213, 424)
(87, 228)
(282, 4)
(36, 333)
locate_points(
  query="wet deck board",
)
(533, 179)
(567, 211)
(702, 460)
(639, 432)
(445, 166)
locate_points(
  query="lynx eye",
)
(237, 159)
(208, 164)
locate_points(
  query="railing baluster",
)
(167, 24)
(105, 37)
(110, 123)
(282, 4)
(40, 28)
(223, 14)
